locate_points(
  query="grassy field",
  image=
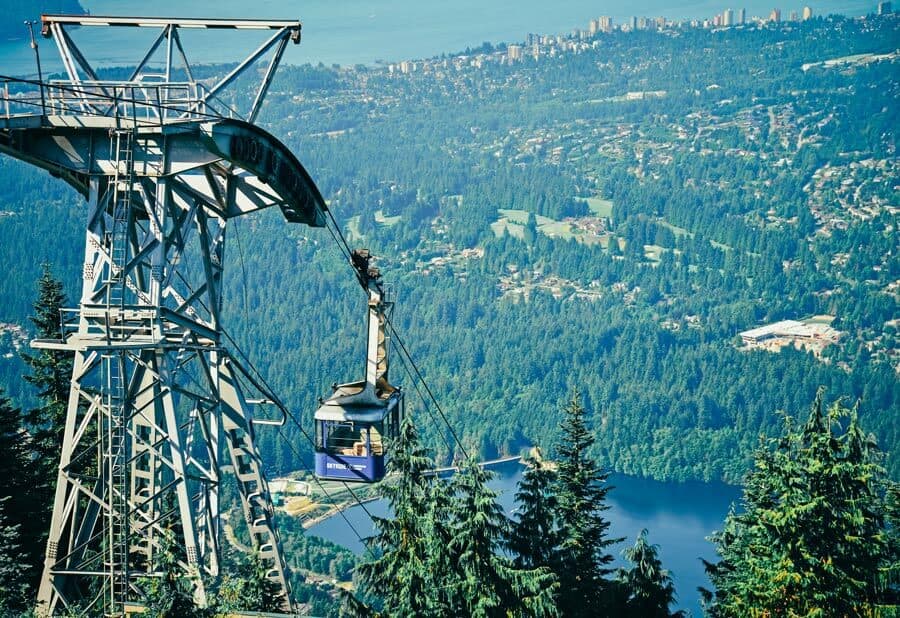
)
(386, 221)
(353, 229)
(598, 206)
(513, 221)
(678, 231)
(653, 252)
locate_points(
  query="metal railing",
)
(110, 324)
(133, 102)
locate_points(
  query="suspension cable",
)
(425, 405)
(292, 417)
(421, 379)
(334, 503)
(346, 251)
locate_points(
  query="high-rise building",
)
(807, 13)
(717, 20)
(634, 22)
(642, 23)
(728, 18)
(594, 26)
(514, 52)
(606, 23)
(742, 16)
(775, 15)
(793, 16)
(884, 8)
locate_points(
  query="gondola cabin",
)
(356, 423)
(351, 438)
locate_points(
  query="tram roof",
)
(333, 411)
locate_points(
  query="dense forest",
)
(817, 536)
(604, 220)
(541, 230)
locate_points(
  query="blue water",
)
(364, 31)
(678, 516)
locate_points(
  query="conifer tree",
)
(485, 583)
(51, 372)
(248, 588)
(647, 587)
(17, 565)
(533, 535)
(439, 522)
(19, 558)
(812, 538)
(171, 595)
(15, 591)
(581, 489)
(890, 576)
(400, 574)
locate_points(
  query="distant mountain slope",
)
(17, 11)
(609, 215)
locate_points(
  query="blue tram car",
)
(356, 422)
(351, 433)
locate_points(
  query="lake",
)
(678, 516)
(365, 31)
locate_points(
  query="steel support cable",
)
(332, 500)
(340, 233)
(290, 415)
(418, 373)
(431, 415)
(269, 392)
(346, 247)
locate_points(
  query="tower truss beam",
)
(157, 405)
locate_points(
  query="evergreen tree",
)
(530, 231)
(51, 372)
(171, 594)
(400, 574)
(248, 588)
(581, 493)
(647, 587)
(18, 565)
(439, 522)
(812, 538)
(15, 591)
(533, 536)
(483, 582)
(890, 576)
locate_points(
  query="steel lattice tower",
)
(156, 409)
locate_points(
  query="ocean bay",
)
(366, 31)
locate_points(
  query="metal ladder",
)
(116, 462)
(116, 453)
(123, 186)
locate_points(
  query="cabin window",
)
(348, 438)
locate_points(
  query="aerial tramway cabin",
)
(356, 422)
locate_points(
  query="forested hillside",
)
(609, 217)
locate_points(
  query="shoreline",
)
(339, 508)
